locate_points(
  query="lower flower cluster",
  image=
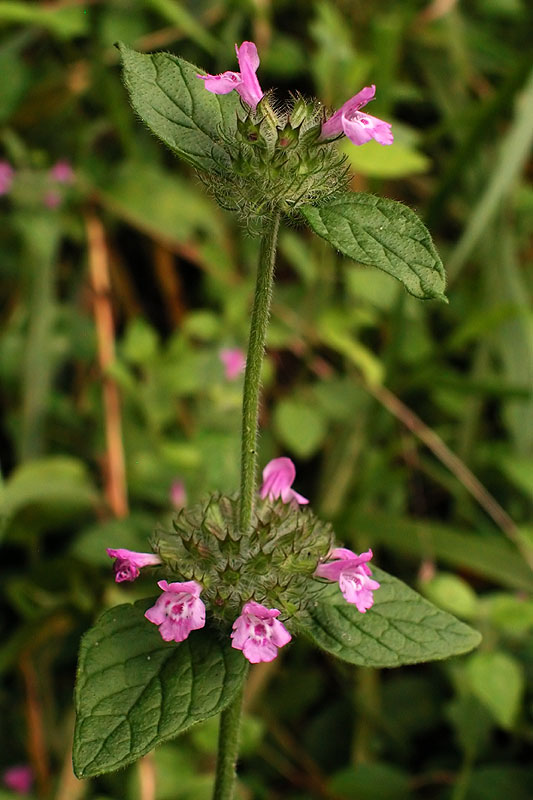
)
(289, 549)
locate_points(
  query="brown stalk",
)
(170, 283)
(34, 716)
(115, 472)
(147, 778)
(456, 466)
(69, 787)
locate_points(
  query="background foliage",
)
(411, 423)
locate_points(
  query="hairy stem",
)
(228, 749)
(252, 377)
(230, 719)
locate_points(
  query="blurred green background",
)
(411, 423)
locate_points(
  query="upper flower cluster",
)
(348, 120)
(245, 578)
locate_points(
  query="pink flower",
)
(129, 563)
(244, 82)
(62, 172)
(19, 779)
(278, 477)
(178, 495)
(234, 361)
(358, 127)
(178, 611)
(6, 177)
(52, 199)
(352, 573)
(258, 633)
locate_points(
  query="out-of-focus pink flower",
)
(278, 477)
(244, 82)
(19, 778)
(258, 633)
(358, 127)
(52, 198)
(353, 574)
(6, 177)
(178, 494)
(129, 563)
(178, 611)
(62, 172)
(234, 361)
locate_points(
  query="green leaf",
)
(384, 234)
(378, 781)
(301, 428)
(453, 594)
(135, 691)
(498, 681)
(395, 161)
(64, 22)
(55, 481)
(400, 628)
(167, 94)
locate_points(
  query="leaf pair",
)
(135, 691)
(173, 102)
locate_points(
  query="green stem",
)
(230, 719)
(228, 749)
(252, 377)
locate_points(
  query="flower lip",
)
(258, 633)
(128, 563)
(358, 127)
(178, 611)
(353, 575)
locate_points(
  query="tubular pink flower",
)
(62, 172)
(19, 778)
(178, 494)
(358, 127)
(6, 177)
(258, 633)
(244, 82)
(178, 611)
(353, 574)
(278, 477)
(234, 362)
(129, 563)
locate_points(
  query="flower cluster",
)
(348, 120)
(250, 574)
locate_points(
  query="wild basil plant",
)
(241, 575)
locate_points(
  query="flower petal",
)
(136, 559)
(280, 634)
(361, 128)
(156, 614)
(331, 571)
(260, 611)
(334, 125)
(191, 587)
(249, 89)
(223, 83)
(256, 651)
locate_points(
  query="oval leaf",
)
(400, 628)
(135, 691)
(498, 680)
(384, 234)
(176, 106)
